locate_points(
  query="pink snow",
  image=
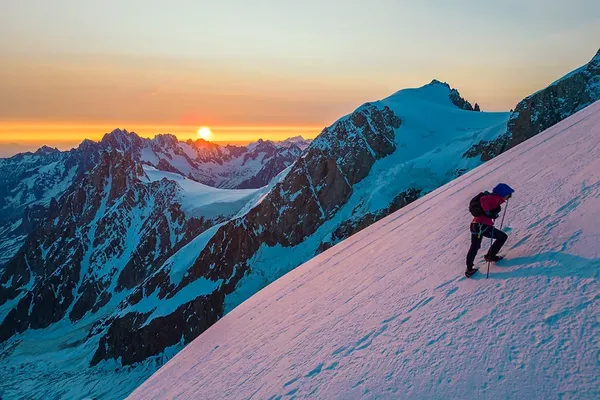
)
(388, 312)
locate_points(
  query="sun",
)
(205, 133)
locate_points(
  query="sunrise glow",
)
(205, 133)
(264, 75)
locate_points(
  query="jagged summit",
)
(298, 138)
(435, 82)
(120, 135)
(436, 92)
(45, 150)
(298, 141)
(165, 139)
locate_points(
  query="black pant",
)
(478, 232)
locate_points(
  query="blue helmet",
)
(503, 190)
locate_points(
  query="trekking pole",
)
(492, 240)
(490, 261)
(503, 215)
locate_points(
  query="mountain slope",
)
(117, 224)
(388, 312)
(383, 155)
(28, 183)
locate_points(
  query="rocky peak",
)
(459, 102)
(297, 141)
(435, 82)
(87, 146)
(558, 101)
(298, 138)
(264, 146)
(201, 144)
(165, 141)
(454, 95)
(45, 150)
(545, 108)
(121, 140)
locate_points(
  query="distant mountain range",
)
(116, 254)
(29, 181)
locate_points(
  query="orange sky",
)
(62, 100)
(30, 136)
(75, 69)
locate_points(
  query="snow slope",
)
(388, 313)
(198, 199)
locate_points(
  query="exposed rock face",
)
(273, 158)
(297, 141)
(459, 102)
(545, 108)
(109, 231)
(269, 171)
(555, 103)
(29, 183)
(456, 98)
(486, 150)
(125, 339)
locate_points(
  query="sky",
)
(71, 69)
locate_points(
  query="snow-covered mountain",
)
(230, 167)
(29, 181)
(138, 257)
(110, 230)
(79, 229)
(388, 313)
(298, 141)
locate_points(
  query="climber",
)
(485, 208)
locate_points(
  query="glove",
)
(495, 213)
